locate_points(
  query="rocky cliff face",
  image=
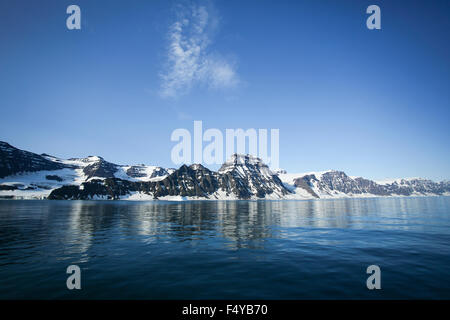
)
(13, 160)
(246, 176)
(188, 181)
(337, 184)
(100, 168)
(334, 182)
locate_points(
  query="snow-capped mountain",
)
(242, 177)
(26, 175)
(336, 184)
(247, 176)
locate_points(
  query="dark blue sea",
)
(318, 249)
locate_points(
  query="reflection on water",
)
(171, 238)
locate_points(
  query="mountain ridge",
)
(26, 175)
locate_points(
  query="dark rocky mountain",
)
(100, 168)
(110, 188)
(13, 160)
(246, 176)
(189, 181)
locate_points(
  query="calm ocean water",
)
(226, 249)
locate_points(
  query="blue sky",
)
(374, 103)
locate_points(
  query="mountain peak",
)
(242, 160)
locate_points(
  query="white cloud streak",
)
(190, 60)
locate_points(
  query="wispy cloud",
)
(191, 60)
